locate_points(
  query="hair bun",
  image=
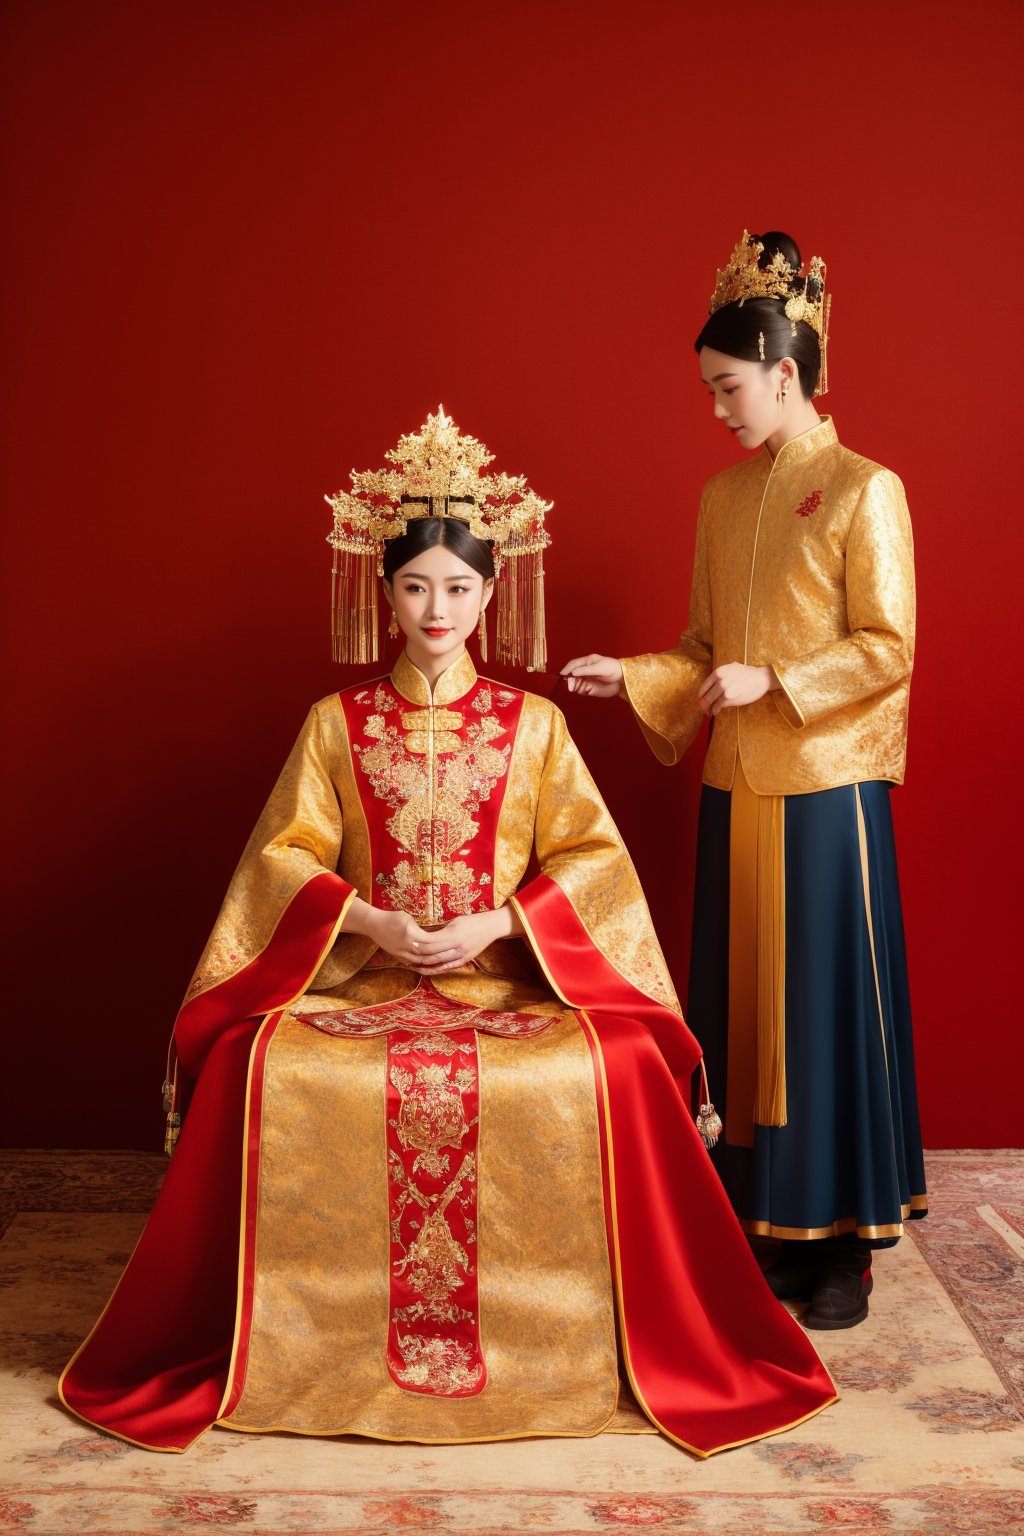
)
(776, 241)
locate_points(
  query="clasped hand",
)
(427, 950)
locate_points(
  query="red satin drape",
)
(154, 1369)
(713, 1358)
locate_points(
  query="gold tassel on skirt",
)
(756, 1072)
(172, 1114)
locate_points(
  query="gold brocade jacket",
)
(438, 804)
(804, 563)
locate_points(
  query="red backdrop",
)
(247, 244)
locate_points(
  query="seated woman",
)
(438, 1170)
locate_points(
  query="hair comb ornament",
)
(744, 278)
(439, 472)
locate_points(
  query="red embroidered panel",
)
(432, 781)
(423, 1009)
(433, 1121)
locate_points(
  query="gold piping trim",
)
(865, 877)
(276, 1013)
(236, 1333)
(782, 1428)
(660, 1001)
(365, 1434)
(505, 814)
(480, 1203)
(837, 1228)
(354, 783)
(513, 902)
(223, 980)
(143, 1445)
(750, 587)
(862, 839)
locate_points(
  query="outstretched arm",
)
(664, 689)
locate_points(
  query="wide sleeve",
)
(284, 905)
(580, 852)
(662, 688)
(881, 610)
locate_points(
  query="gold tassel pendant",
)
(709, 1122)
(172, 1118)
(354, 605)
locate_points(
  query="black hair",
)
(424, 532)
(736, 328)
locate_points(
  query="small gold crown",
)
(439, 472)
(742, 278)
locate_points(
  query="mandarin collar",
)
(454, 682)
(805, 445)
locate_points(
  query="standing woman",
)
(799, 646)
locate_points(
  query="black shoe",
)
(840, 1298)
(794, 1275)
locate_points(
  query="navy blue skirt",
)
(849, 1158)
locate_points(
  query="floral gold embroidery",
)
(434, 782)
(433, 1111)
(443, 1367)
(431, 1114)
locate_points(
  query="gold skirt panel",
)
(320, 1309)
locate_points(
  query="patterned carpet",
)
(928, 1437)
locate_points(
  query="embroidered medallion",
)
(433, 1116)
(809, 504)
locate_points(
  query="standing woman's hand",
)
(599, 677)
(733, 685)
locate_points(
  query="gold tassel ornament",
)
(172, 1116)
(354, 599)
(709, 1122)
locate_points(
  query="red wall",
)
(247, 244)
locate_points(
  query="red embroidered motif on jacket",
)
(809, 504)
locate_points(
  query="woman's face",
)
(746, 395)
(437, 599)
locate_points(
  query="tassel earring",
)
(393, 626)
(481, 633)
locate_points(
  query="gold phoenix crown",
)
(439, 472)
(743, 278)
